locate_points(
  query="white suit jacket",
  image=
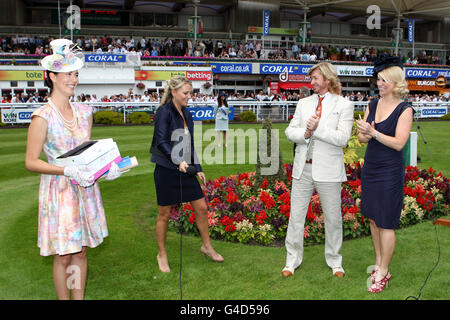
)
(332, 134)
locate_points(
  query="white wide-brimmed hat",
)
(64, 57)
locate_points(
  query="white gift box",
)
(96, 155)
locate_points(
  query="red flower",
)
(226, 220)
(354, 184)
(230, 228)
(310, 215)
(261, 217)
(214, 202)
(228, 223)
(353, 210)
(192, 218)
(231, 197)
(267, 200)
(285, 198)
(285, 209)
(243, 176)
(264, 184)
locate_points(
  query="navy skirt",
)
(173, 186)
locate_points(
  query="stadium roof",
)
(408, 8)
(425, 9)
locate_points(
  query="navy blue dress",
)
(173, 186)
(383, 173)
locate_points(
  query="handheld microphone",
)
(191, 170)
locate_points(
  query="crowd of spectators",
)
(149, 96)
(152, 47)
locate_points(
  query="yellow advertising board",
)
(31, 75)
(158, 75)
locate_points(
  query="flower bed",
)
(239, 211)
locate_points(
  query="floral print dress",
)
(70, 216)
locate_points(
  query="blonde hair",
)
(396, 75)
(175, 83)
(328, 72)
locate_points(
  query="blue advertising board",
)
(245, 68)
(432, 112)
(207, 113)
(410, 30)
(426, 73)
(105, 57)
(266, 22)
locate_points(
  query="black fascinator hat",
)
(384, 61)
(222, 94)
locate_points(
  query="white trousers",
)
(330, 198)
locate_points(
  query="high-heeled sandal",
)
(206, 253)
(372, 275)
(379, 286)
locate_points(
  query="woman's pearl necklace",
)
(72, 124)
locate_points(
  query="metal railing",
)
(275, 110)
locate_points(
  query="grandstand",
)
(226, 49)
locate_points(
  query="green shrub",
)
(140, 117)
(247, 116)
(108, 117)
(446, 117)
(356, 115)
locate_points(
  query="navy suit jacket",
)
(167, 120)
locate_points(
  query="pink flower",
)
(70, 56)
(212, 220)
(306, 232)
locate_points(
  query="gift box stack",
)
(97, 156)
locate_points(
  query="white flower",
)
(57, 57)
(244, 226)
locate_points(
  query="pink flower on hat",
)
(70, 56)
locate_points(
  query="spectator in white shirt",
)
(146, 96)
(295, 50)
(261, 96)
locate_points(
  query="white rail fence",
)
(275, 110)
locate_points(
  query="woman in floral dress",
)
(71, 217)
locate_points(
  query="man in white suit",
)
(321, 128)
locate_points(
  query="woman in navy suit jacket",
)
(177, 167)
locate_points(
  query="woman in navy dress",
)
(385, 127)
(173, 180)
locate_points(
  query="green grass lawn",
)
(125, 267)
